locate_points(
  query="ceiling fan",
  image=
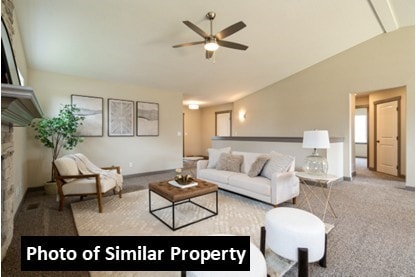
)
(212, 42)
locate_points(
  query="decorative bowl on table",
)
(184, 179)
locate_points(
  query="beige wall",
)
(145, 153)
(321, 96)
(192, 132)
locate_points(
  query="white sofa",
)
(280, 187)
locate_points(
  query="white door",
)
(223, 124)
(387, 137)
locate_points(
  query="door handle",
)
(378, 141)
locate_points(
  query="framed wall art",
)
(147, 119)
(91, 108)
(120, 118)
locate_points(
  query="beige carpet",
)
(130, 216)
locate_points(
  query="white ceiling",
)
(131, 40)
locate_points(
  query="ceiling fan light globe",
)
(211, 46)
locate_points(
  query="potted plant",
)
(58, 132)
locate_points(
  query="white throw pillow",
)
(214, 155)
(277, 163)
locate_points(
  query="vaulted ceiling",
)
(131, 41)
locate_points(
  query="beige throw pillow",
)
(214, 155)
(258, 165)
(229, 162)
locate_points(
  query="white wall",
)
(320, 96)
(147, 154)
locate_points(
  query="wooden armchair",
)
(70, 182)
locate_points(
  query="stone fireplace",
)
(19, 107)
(7, 192)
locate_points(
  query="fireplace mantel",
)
(19, 105)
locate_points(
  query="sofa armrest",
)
(201, 164)
(284, 186)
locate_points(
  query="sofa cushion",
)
(214, 175)
(229, 162)
(277, 163)
(258, 184)
(214, 155)
(258, 165)
(249, 159)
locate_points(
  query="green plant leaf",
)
(60, 131)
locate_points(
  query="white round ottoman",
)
(288, 229)
(258, 267)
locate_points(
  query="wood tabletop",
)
(175, 194)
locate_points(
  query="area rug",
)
(129, 216)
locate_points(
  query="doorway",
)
(386, 122)
(387, 130)
(223, 126)
(361, 133)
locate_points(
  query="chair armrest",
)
(62, 177)
(113, 167)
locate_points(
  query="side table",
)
(325, 182)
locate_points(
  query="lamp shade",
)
(317, 139)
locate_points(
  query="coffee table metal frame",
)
(177, 203)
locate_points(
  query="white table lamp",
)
(314, 163)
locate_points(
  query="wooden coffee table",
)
(178, 196)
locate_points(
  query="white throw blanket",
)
(85, 166)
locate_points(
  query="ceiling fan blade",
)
(230, 30)
(188, 44)
(209, 54)
(195, 28)
(232, 45)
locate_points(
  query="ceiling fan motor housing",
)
(211, 15)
